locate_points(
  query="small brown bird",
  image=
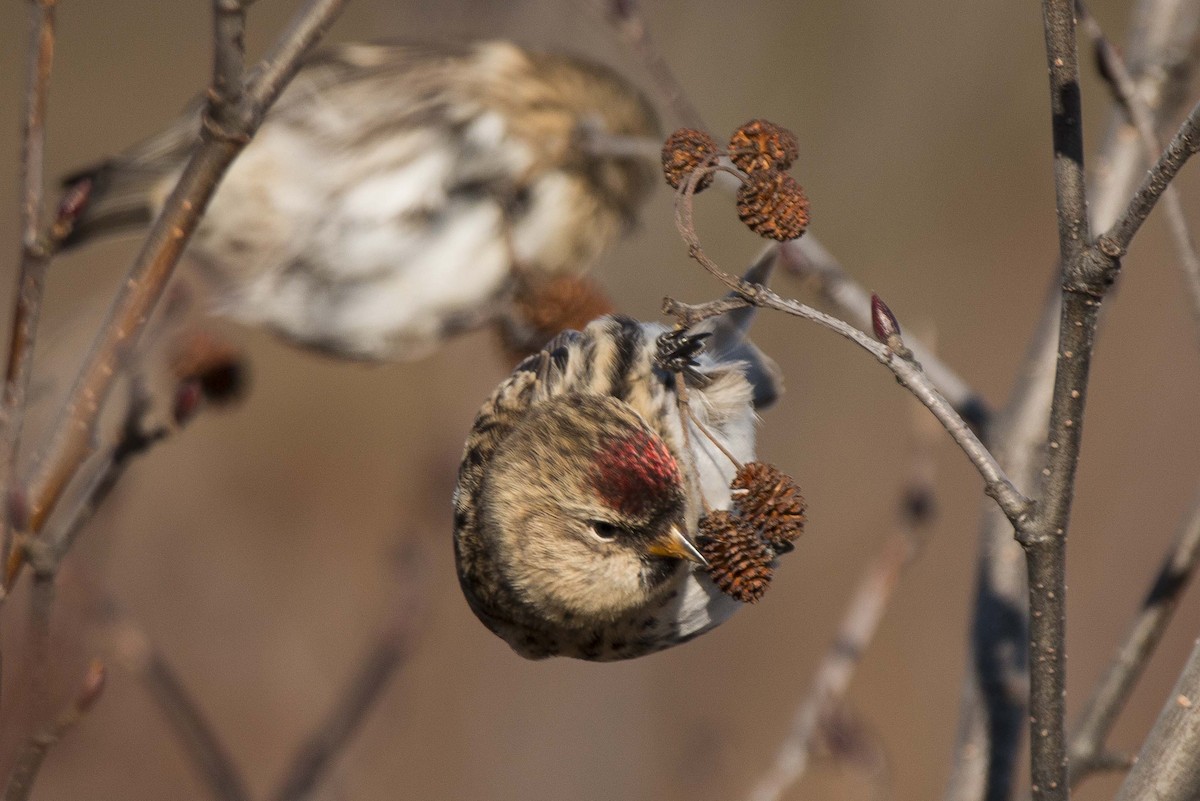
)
(579, 491)
(397, 195)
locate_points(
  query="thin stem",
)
(33, 754)
(220, 143)
(199, 739)
(626, 19)
(34, 256)
(1182, 147)
(811, 262)
(1087, 744)
(1044, 535)
(1142, 118)
(907, 372)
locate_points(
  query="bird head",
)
(588, 509)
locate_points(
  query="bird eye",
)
(604, 530)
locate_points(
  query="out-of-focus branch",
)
(1125, 89)
(34, 255)
(29, 760)
(857, 628)
(1087, 750)
(390, 651)
(227, 127)
(199, 739)
(1167, 768)
(626, 19)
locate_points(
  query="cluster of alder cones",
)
(769, 201)
(767, 516)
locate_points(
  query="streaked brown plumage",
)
(579, 495)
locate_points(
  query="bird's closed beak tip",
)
(674, 544)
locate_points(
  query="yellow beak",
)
(675, 544)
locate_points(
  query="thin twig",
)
(1087, 749)
(391, 650)
(200, 741)
(34, 257)
(1143, 120)
(626, 19)
(1167, 768)
(1182, 147)
(908, 372)
(857, 629)
(29, 760)
(810, 261)
(222, 137)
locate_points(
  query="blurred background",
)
(256, 547)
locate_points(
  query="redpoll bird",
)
(398, 195)
(579, 491)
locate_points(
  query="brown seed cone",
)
(685, 151)
(739, 563)
(773, 205)
(544, 308)
(762, 145)
(771, 502)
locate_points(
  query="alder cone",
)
(773, 204)
(771, 502)
(739, 562)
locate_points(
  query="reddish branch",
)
(229, 122)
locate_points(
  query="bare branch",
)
(69, 445)
(29, 760)
(1087, 750)
(1161, 55)
(908, 372)
(626, 19)
(1167, 768)
(200, 741)
(34, 256)
(386, 656)
(1143, 120)
(810, 261)
(1182, 147)
(857, 629)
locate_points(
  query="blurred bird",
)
(579, 491)
(397, 195)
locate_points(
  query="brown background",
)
(254, 546)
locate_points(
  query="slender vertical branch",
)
(1161, 56)
(30, 758)
(34, 256)
(1044, 537)
(223, 136)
